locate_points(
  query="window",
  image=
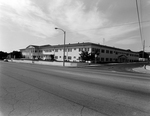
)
(74, 48)
(102, 50)
(69, 50)
(107, 51)
(80, 49)
(111, 52)
(74, 56)
(107, 59)
(64, 57)
(87, 49)
(56, 50)
(93, 49)
(102, 59)
(111, 59)
(56, 57)
(69, 57)
(59, 56)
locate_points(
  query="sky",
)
(107, 22)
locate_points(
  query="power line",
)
(131, 23)
(139, 21)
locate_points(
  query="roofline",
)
(79, 44)
(90, 44)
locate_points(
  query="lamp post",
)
(64, 45)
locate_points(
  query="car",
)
(5, 60)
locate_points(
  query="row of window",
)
(69, 49)
(115, 60)
(111, 52)
(69, 57)
(33, 51)
(86, 49)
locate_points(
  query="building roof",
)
(91, 44)
(34, 46)
(79, 44)
(43, 46)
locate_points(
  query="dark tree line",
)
(3, 55)
(14, 54)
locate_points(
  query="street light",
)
(64, 45)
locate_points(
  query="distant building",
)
(73, 51)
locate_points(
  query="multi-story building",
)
(73, 51)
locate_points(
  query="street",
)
(106, 92)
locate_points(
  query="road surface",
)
(107, 92)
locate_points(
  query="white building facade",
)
(73, 51)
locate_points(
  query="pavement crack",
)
(13, 109)
(29, 110)
(82, 110)
(25, 90)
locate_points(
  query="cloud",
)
(128, 41)
(73, 15)
(109, 32)
(28, 16)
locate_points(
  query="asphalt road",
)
(109, 90)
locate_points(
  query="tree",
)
(85, 56)
(3, 55)
(94, 55)
(15, 54)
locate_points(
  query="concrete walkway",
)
(20, 99)
(148, 67)
(143, 69)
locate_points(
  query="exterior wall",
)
(73, 51)
(46, 52)
(114, 55)
(31, 52)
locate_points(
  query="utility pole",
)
(143, 48)
(103, 41)
(140, 27)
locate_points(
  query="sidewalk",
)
(142, 69)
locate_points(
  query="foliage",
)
(85, 56)
(93, 56)
(15, 54)
(3, 55)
